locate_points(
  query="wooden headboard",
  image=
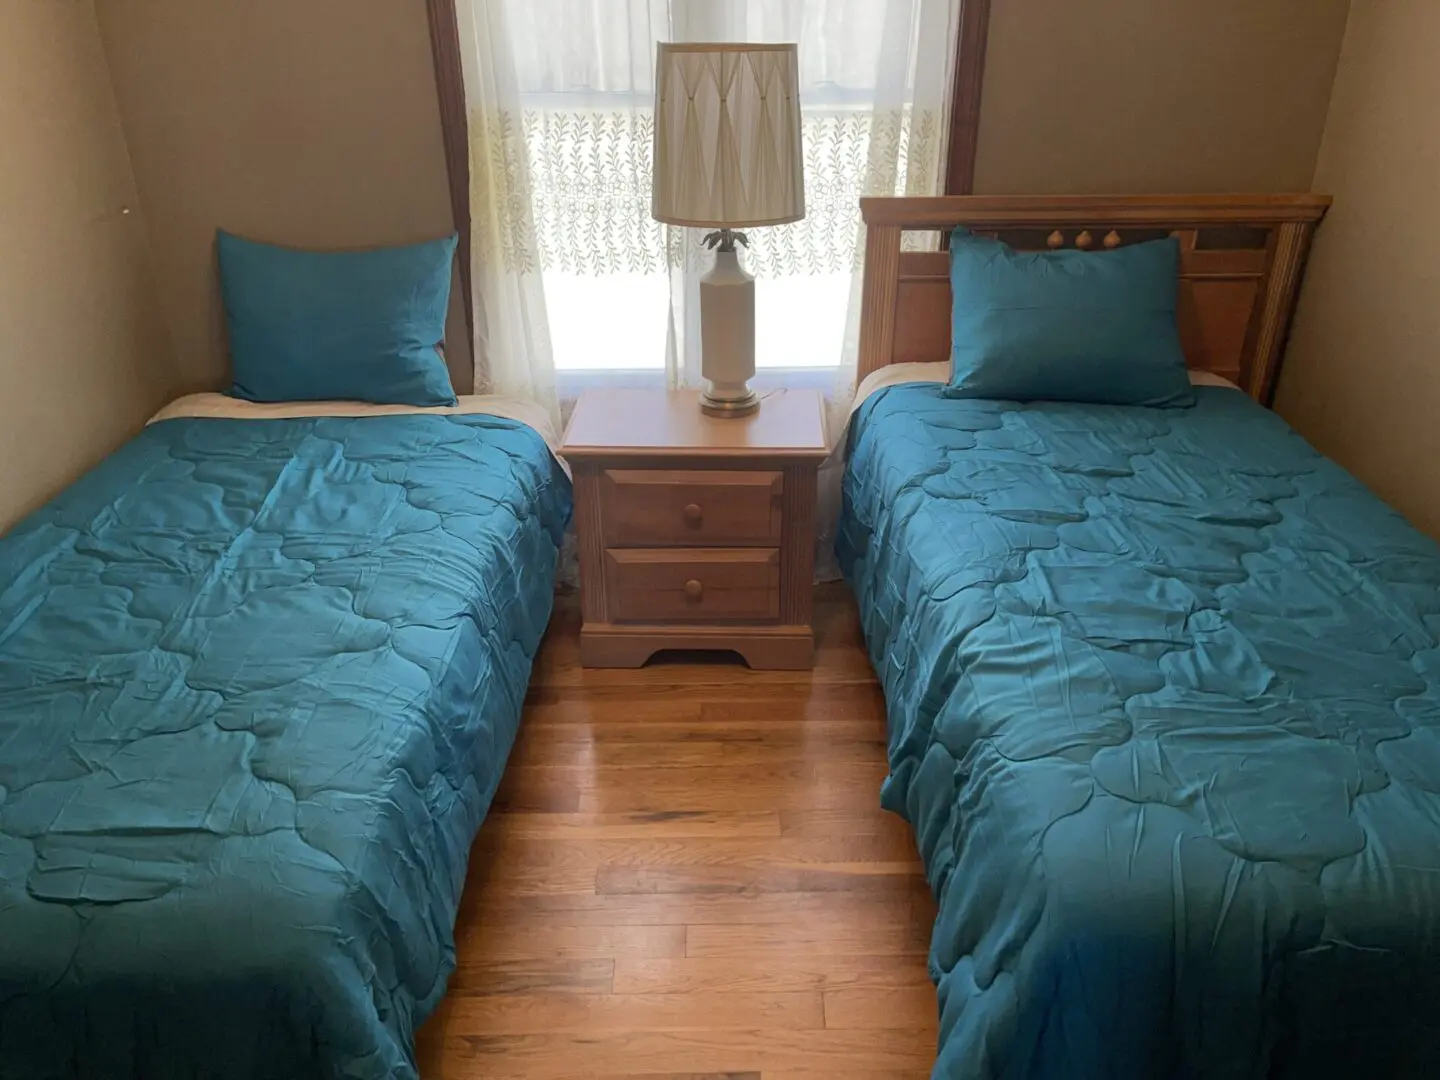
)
(1241, 261)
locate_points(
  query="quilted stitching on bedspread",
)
(258, 680)
(1164, 699)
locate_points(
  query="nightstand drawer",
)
(656, 507)
(692, 585)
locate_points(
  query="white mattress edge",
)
(224, 407)
(939, 372)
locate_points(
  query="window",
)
(620, 289)
(621, 321)
(608, 322)
(611, 273)
(921, 59)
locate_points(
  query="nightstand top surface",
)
(621, 422)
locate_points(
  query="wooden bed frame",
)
(1241, 261)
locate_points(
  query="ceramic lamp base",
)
(729, 407)
(727, 337)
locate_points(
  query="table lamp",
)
(727, 157)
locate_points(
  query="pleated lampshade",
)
(727, 136)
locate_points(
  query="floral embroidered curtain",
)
(590, 191)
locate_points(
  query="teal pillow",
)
(352, 326)
(1072, 325)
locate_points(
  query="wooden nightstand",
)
(695, 532)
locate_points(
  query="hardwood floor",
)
(687, 876)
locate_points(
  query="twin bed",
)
(259, 675)
(1163, 686)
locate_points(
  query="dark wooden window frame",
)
(965, 96)
(454, 123)
(455, 130)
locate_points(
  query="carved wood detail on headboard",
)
(1241, 258)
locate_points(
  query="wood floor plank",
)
(854, 1009)
(777, 727)
(765, 781)
(582, 710)
(838, 910)
(514, 877)
(749, 975)
(875, 879)
(528, 1014)
(720, 682)
(857, 821)
(652, 686)
(596, 752)
(543, 792)
(480, 975)
(863, 708)
(700, 807)
(709, 707)
(859, 930)
(555, 1056)
(784, 785)
(808, 939)
(700, 851)
(682, 795)
(640, 825)
(558, 942)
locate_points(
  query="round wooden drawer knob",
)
(694, 590)
(693, 513)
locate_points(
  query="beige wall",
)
(1100, 96)
(1362, 376)
(83, 354)
(315, 122)
(304, 122)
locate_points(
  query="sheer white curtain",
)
(513, 352)
(576, 285)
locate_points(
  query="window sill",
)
(571, 384)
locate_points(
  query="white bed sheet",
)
(939, 372)
(224, 407)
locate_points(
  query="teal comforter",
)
(1164, 712)
(258, 681)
